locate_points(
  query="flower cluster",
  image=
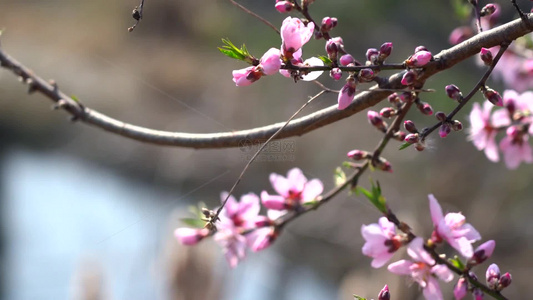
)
(382, 241)
(514, 119)
(241, 226)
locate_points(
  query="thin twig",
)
(255, 15)
(215, 217)
(137, 14)
(470, 95)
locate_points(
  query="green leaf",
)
(325, 59)
(404, 145)
(195, 223)
(340, 176)
(73, 97)
(375, 196)
(462, 9)
(230, 50)
(358, 297)
(456, 261)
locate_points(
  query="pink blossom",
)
(515, 148)
(423, 270)
(514, 70)
(346, 94)
(270, 61)
(482, 133)
(419, 59)
(461, 289)
(190, 236)
(381, 241)
(246, 76)
(261, 238)
(235, 218)
(293, 190)
(294, 34)
(453, 229)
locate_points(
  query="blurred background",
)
(90, 215)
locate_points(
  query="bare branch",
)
(444, 60)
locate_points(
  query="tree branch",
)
(444, 60)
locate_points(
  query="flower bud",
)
(454, 93)
(487, 10)
(384, 51)
(420, 48)
(444, 130)
(419, 59)
(407, 97)
(486, 56)
(493, 96)
(265, 238)
(366, 75)
(358, 154)
(383, 165)
(460, 34)
(482, 253)
(387, 112)
(283, 6)
(461, 288)
(504, 281)
(346, 94)
(420, 146)
(410, 126)
(400, 136)
(328, 23)
(372, 55)
(441, 116)
(393, 98)
(425, 108)
(510, 104)
(409, 78)
(492, 276)
(332, 49)
(190, 236)
(514, 132)
(375, 120)
(457, 125)
(412, 138)
(478, 294)
(346, 59)
(384, 294)
(335, 73)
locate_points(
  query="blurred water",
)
(60, 214)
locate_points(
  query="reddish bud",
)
(483, 252)
(383, 165)
(444, 130)
(384, 294)
(346, 59)
(358, 154)
(328, 23)
(190, 236)
(460, 34)
(410, 126)
(283, 6)
(425, 108)
(335, 73)
(332, 49)
(486, 56)
(387, 112)
(375, 120)
(420, 146)
(419, 59)
(420, 48)
(487, 10)
(393, 98)
(493, 96)
(454, 92)
(492, 276)
(372, 55)
(457, 125)
(409, 78)
(407, 97)
(505, 281)
(441, 116)
(366, 75)
(412, 138)
(400, 136)
(385, 50)
(478, 294)
(461, 289)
